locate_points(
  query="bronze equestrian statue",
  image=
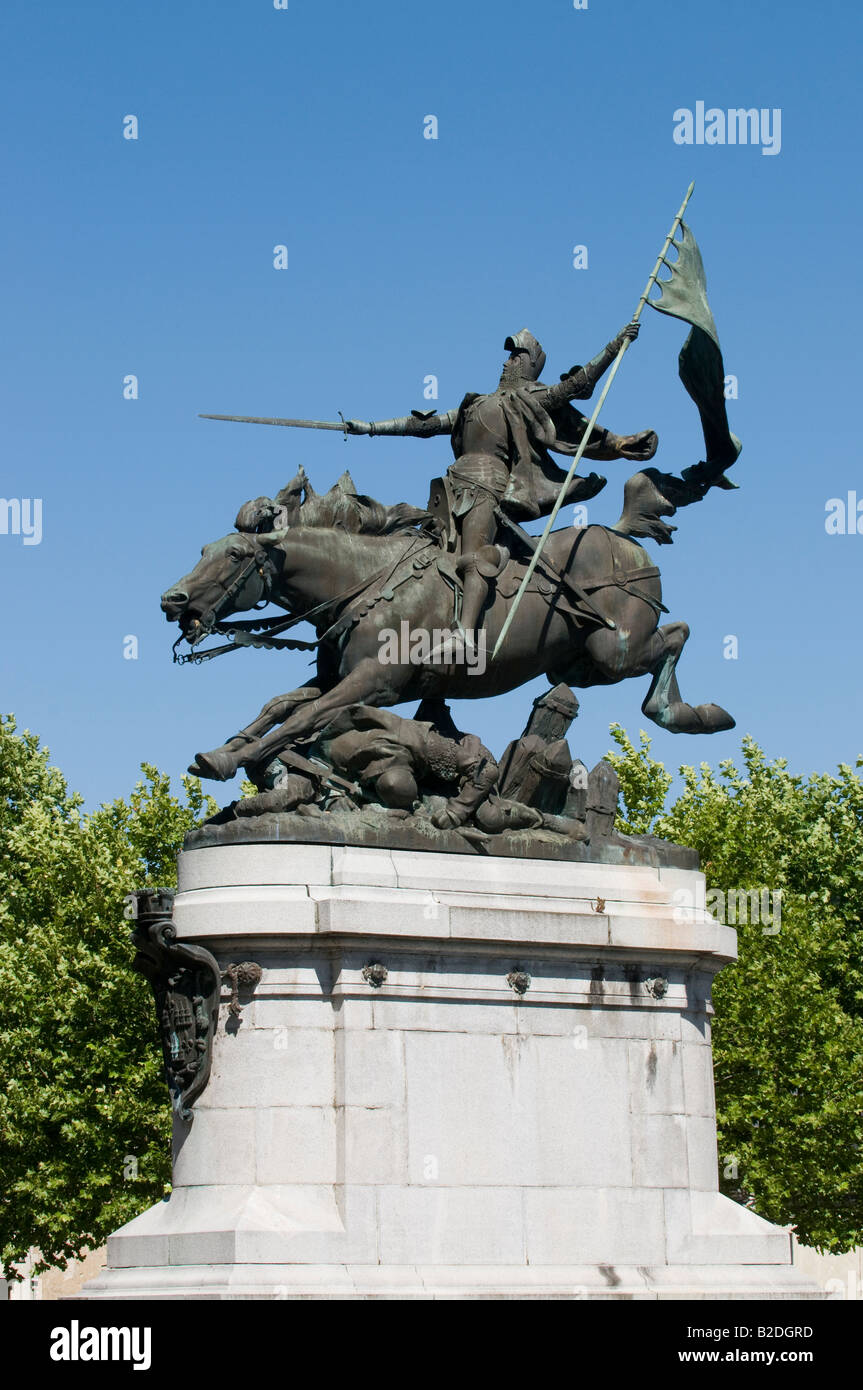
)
(355, 569)
(375, 581)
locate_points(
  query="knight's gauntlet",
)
(601, 363)
(419, 424)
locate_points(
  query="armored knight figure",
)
(501, 443)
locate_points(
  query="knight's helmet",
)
(527, 353)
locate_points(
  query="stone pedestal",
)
(458, 1077)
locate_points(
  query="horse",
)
(359, 572)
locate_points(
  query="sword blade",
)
(266, 420)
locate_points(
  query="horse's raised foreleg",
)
(222, 763)
(663, 703)
(369, 683)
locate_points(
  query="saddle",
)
(562, 594)
(509, 577)
(440, 507)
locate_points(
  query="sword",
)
(340, 424)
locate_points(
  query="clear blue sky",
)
(406, 257)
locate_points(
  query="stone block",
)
(614, 1020)
(703, 1158)
(358, 866)
(695, 1027)
(659, 1151)
(656, 1078)
(698, 1080)
(450, 1225)
(127, 1249)
(222, 914)
(373, 912)
(417, 1015)
(663, 934)
(480, 923)
(249, 865)
(373, 1145)
(296, 1144)
(531, 878)
(269, 1013)
(260, 1068)
(369, 1067)
(604, 1226)
(216, 1147)
(706, 1228)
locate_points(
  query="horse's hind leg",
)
(663, 703)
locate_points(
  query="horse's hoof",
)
(219, 765)
(716, 719)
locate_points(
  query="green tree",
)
(788, 1031)
(84, 1124)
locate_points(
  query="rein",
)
(256, 561)
(262, 632)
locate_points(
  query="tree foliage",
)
(788, 1031)
(84, 1127)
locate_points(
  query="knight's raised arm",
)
(579, 382)
(419, 424)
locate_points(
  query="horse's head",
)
(233, 575)
(254, 564)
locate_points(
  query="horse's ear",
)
(291, 491)
(345, 484)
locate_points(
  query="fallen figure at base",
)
(425, 773)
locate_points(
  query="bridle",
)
(258, 562)
(262, 632)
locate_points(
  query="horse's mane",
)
(359, 514)
(342, 508)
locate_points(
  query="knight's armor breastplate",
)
(485, 445)
(485, 429)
